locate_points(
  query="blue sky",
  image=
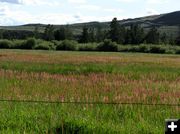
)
(17, 12)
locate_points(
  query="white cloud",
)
(6, 15)
(40, 2)
(127, 1)
(113, 10)
(3, 10)
(10, 17)
(98, 9)
(88, 7)
(147, 1)
(82, 11)
(157, 1)
(32, 2)
(11, 1)
(77, 1)
(151, 11)
(17, 17)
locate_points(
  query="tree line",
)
(133, 34)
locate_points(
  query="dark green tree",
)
(164, 38)
(128, 37)
(136, 34)
(1, 33)
(57, 34)
(117, 32)
(177, 41)
(63, 33)
(84, 38)
(49, 33)
(60, 34)
(36, 32)
(68, 33)
(99, 35)
(171, 40)
(92, 37)
(152, 36)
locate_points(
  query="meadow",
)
(147, 80)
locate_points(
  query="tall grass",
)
(87, 77)
(70, 118)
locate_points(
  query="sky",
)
(18, 12)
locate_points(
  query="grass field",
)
(87, 77)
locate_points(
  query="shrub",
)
(107, 45)
(44, 45)
(17, 44)
(170, 49)
(147, 49)
(67, 45)
(28, 44)
(88, 47)
(134, 49)
(51, 45)
(56, 43)
(178, 51)
(5, 44)
(144, 48)
(157, 49)
(123, 48)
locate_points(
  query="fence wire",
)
(93, 103)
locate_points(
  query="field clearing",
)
(87, 77)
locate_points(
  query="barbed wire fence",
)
(63, 124)
(94, 103)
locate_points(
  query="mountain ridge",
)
(167, 22)
(165, 19)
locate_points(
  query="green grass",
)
(87, 76)
(51, 118)
(136, 69)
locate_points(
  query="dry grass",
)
(91, 87)
(78, 58)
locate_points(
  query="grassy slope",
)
(79, 76)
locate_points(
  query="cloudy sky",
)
(17, 12)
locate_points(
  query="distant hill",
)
(169, 19)
(167, 23)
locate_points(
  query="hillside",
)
(165, 22)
